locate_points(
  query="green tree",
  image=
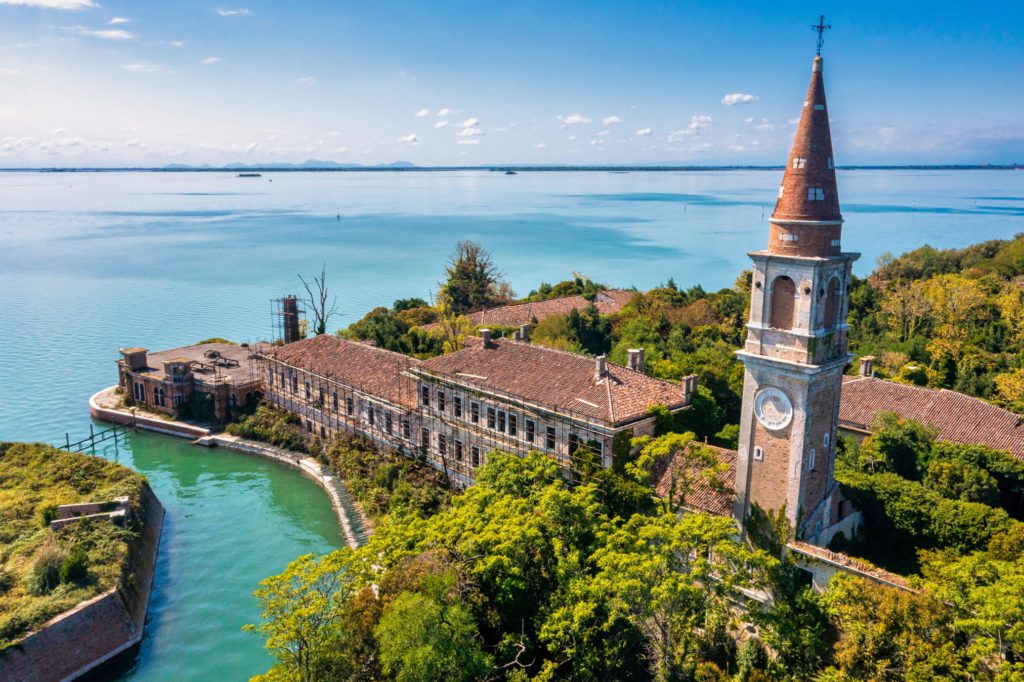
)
(473, 280)
(302, 610)
(426, 636)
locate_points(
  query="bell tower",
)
(796, 345)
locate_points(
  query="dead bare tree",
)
(316, 300)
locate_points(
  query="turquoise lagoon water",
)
(90, 262)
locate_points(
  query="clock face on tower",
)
(773, 408)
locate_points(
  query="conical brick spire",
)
(806, 220)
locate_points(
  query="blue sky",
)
(119, 82)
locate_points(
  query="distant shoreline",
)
(501, 168)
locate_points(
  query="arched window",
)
(783, 308)
(832, 306)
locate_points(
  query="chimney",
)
(485, 337)
(867, 366)
(290, 318)
(689, 384)
(636, 359)
(600, 367)
(524, 333)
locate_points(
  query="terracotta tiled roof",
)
(959, 418)
(369, 369)
(607, 302)
(556, 380)
(702, 496)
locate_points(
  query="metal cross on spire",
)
(821, 27)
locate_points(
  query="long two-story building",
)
(454, 409)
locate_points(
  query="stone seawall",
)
(98, 630)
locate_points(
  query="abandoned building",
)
(212, 377)
(454, 409)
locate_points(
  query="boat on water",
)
(250, 175)
(511, 172)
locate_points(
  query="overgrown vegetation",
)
(386, 483)
(42, 572)
(276, 427)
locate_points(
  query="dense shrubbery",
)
(42, 572)
(274, 426)
(385, 483)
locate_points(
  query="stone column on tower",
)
(796, 345)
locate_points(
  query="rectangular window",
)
(574, 444)
(323, 431)
(320, 398)
(424, 440)
(825, 439)
(405, 428)
(295, 383)
(179, 399)
(270, 379)
(139, 392)
(372, 417)
(334, 400)
(232, 399)
(501, 421)
(458, 451)
(758, 454)
(474, 456)
(309, 392)
(474, 413)
(549, 442)
(442, 444)
(309, 426)
(831, 164)
(350, 405)
(440, 401)
(781, 191)
(457, 404)
(815, 194)
(425, 396)
(491, 418)
(513, 425)
(387, 422)
(158, 395)
(819, 107)
(799, 162)
(810, 460)
(531, 430)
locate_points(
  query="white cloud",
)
(602, 133)
(573, 120)
(334, 133)
(52, 4)
(423, 113)
(642, 132)
(445, 112)
(696, 124)
(572, 138)
(6, 71)
(104, 33)
(251, 147)
(211, 60)
(441, 124)
(597, 143)
(341, 150)
(610, 120)
(539, 145)
(472, 131)
(410, 139)
(307, 80)
(240, 12)
(737, 98)
(177, 43)
(469, 141)
(57, 131)
(469, 123)
(888, 134)
(118, 20)
(141, 68)
(748, 120)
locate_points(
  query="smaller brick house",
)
(217, 376)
